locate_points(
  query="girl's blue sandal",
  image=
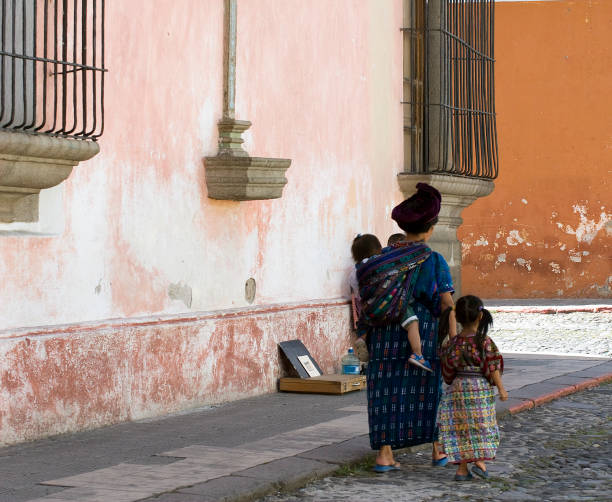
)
(385, 468)
(441, 462)
(466, 477)
(480, 473)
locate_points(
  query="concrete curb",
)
(566, 391)
(569, 309)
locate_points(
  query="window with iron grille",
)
(52, 67)
(449, 95)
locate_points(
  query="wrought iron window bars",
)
(52, 67)
(449, 84)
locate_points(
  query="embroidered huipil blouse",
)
(462, 354)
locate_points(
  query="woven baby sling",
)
(386, 282)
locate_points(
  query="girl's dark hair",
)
(419, 227)
(364, 246)
(466, 311)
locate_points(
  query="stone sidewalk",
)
(243, 449)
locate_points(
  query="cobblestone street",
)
(588, 333)
(560, 451)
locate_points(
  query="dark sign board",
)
(294, 350)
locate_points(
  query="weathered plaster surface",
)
(545, 230)
(321, 82)
(66, 378)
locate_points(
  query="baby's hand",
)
(503, 395)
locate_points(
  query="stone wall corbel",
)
(233, 174)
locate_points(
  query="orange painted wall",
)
(545, 231)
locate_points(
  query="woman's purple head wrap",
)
(422, 207)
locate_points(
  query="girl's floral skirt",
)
(467, 421)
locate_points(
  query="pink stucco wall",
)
(66, 378)
(321, 82)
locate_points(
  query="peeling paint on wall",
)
(58, 380)
(524, 263)
(587, 229)
(181, 292)
(514, 238)
(604, 290)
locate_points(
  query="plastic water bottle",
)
(350, 363)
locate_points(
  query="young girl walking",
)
(471, 365)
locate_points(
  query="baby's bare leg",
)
(414, 337)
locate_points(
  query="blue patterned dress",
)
(403, 399)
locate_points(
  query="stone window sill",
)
(31, 163)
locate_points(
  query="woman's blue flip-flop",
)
(385, 468)
(480, 473)
(441, 462)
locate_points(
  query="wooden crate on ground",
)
(324, 384)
